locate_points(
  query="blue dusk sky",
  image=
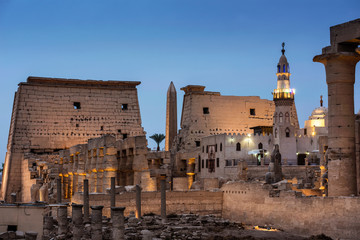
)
(228, 46)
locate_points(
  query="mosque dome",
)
(319, 113)
(318, 118)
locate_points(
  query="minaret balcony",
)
(284, 93)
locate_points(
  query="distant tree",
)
(158, 138)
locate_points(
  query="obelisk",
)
(171, 117)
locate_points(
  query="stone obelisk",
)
(171, 117)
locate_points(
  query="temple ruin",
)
(77, 147)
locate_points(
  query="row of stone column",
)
(113, 199)
(118, 222)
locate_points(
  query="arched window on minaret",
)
(275, 117)
(288, 68)
(238, 147)
(287, 117)
(276, 132)
(281, 117)
(287, 132)
(260, 146)
(284, 70)
(278, 68)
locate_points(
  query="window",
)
(281, 117)
(207, 163)
(207, 148)
(217, 162)
(235, 162)
(275, 117)
(211, 165)
(260, 146)
(228, 163)
(220, 147)
(284, 68)
(102, 128)
(215, 147)
(197, 143)
(124, 106)
(206, 110)
(287, 132)
(305, 131)
(252, 111)
(202, 148)
(278, 67)
(202, 163)
(77, 125)
(77, 105)
(124, 136)
(119, 130)
(287, 117)
(276, 132)
(288, 67)
(238, 147)
(199, 163)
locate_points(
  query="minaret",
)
(286, 123)
(171, 117)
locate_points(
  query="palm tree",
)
(158, 138)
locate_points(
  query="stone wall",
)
(197, 202)
(253, 203)
(25, 217)
(208, 113)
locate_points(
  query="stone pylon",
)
(171, 116)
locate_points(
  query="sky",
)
(229, 46)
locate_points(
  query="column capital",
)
(118, 208)
(339, 66)
(75, 205)
(346, 57)
(96, 207)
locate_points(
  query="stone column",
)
(138, 201)
(80, 183)
(118, 223)
(340, 78)
(112, 194)
(48, 227)
(77, 220)
(93, 181)
(58, 189)
(86, 200)
(99, 181)
(163, 198)
(62, 219)
(96, 222)
(66, 186)
(75, 183)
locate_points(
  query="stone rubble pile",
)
(148, 227)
